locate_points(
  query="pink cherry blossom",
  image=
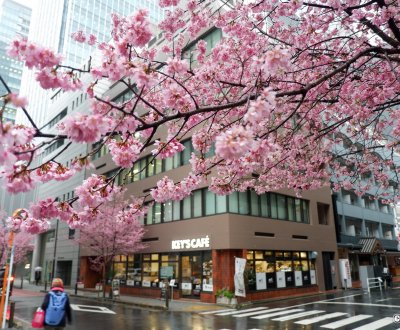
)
(125, 153)
(233, 143)
(84, 128)
(165, 150)
(18, 101)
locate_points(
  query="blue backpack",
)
(56, 309)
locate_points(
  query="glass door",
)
(191, 275)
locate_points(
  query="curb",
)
(121, 302)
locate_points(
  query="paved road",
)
(354, 311)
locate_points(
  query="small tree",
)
(22, 241)
(114, 231)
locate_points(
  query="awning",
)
(371, 245)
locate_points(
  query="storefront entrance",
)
(191, 265)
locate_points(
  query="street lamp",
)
(55, 246)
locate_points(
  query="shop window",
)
(134, 270)
(323, 213)
(207, 284)
(169, 266)
(278, 266)
(120, 272)
(150, 274)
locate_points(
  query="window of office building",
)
(202, 203)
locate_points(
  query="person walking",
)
(56, 306)
(38, 274)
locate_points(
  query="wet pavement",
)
(351, 309)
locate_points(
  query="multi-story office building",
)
(14, 20)
(47, 108)
(365, 225)
(65, 17)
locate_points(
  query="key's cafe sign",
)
(191, 243)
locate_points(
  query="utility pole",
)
(7, 279)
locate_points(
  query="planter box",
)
(226, 301)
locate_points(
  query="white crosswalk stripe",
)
(258, 312)
(377, 324)
(347, 321)
(320, 318)
(261, 317)
(219, 311)
(242, 311)
(296, 316)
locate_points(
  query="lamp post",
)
(55, 251)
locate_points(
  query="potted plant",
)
(225, 297)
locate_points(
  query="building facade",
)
(14, 21)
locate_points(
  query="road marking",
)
(346, 321)
(320, 318)
(361, 304)
(266, 316)
(377, 324)
(242, 311)
(257, 313)
(93, 309)
(219, 311)
(296, 316)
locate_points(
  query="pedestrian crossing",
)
(318, 319)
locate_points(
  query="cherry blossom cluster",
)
(295, 95)
(124, 153)
(166, 150)
(168, 190)
(26, 223)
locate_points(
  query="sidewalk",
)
(181, 305)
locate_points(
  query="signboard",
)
(172, 282)
(313, 277)
(280, 280)
(240, 265)
(208, 287)
(192, 243)
(115, 287)
(130, 282)
(261, 281)
(345, 273)
(166, 272)
(298, 278)
(186, 286)
(146, 284)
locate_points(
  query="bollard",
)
(11, 320)
(76, 288)
(45, 285)
(166, 292)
